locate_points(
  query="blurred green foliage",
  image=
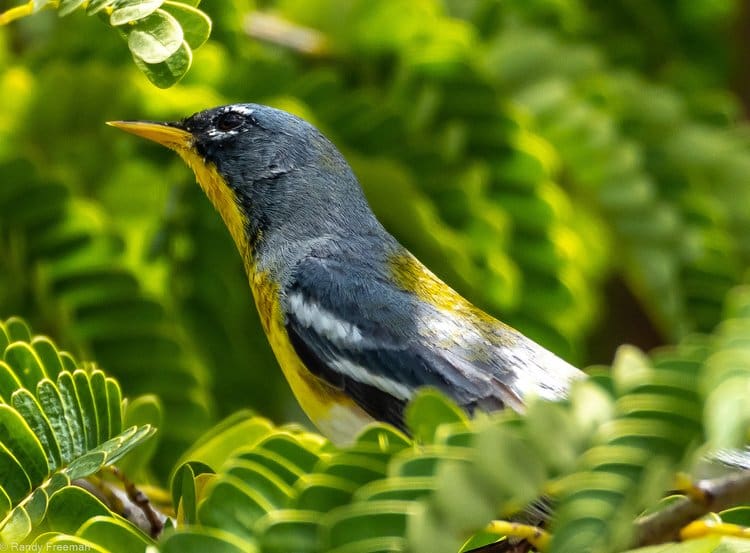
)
(604, 457)
(544, 164)
(580, 169)
(161, 34)
(61, 421)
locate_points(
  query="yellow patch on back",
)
(409, 273)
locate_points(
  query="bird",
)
(356, 322)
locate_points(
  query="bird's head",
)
(264, 170)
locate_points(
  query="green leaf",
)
(234, 506)
(195, 24)
(24, 518)
(51, 403)
(72, 412)
(9, 382)
(114, 407)
(131, 10)
(86, 464)
(382, 437)
(71, 507)
(5, 503)
(48, 355)
(736, 515)
(156, 38)
(241, 430)
(206, 539)
(708, 544)
(16, 527)
(262, 480)
(731, 545)
(27, 406)
(322, 492)
(143, 411)
(427, 411)
(36, 505)
(356, 468)
(397, 487)
(170, 71)
(113, 534)
(99, 393)
(68, 362)
(17, 330)
(14, 479)
(115, 448)
(4, 338)
(463, 499)
(95, 6)
(67, 7)
(478, 540)
(290, 448)
(88, 408)
(360, 522)
(39, 4)
(20, 440)
(281, 467)
(184, 492)
(283, 531)
(24, 361)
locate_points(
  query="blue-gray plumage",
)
(351, 315)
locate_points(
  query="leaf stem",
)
(536, 536)
(279, 31)
(17, 12)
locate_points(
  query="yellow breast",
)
(336, 415)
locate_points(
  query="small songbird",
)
(356, 322)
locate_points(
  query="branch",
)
(276, 30)
(708, 496)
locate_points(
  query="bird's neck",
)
(215, 187)
(284, 227)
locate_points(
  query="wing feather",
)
(379, 343)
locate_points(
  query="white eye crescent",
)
(229, 121)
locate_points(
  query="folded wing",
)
(355, 329)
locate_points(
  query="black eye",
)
(228, 121)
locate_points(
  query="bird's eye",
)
(228, 121)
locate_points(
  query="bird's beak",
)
(171, 135)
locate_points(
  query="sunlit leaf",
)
(155, 38)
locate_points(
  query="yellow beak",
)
(163, 133)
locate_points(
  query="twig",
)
(710, 496)
(275, 30)
(141, 501)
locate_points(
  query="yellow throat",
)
(209, 179)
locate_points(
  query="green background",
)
(577, 168)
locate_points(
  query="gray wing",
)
(378, 343)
